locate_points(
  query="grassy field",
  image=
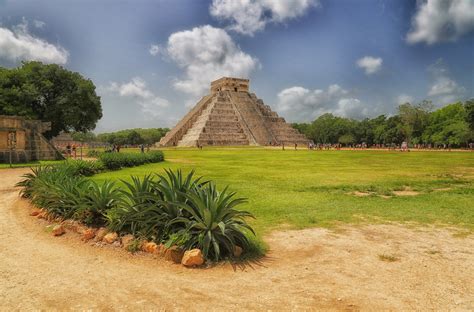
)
(31, 164)
(298, 189)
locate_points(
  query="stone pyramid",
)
(231, 115)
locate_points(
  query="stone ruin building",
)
(231, 115)
(24, 140)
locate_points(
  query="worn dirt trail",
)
(313, 269)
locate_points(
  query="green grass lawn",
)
(304, 188)
(31, 164)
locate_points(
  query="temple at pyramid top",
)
(231, 115)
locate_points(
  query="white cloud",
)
(137, 88)
(207, 53)
(300, 104)
(155, 49)
(404, 98)
(444, 88)
(441, 20)
(19, 45)
(250, 16)
(38, 24)
(370, 64)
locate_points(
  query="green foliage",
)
(215, 226)
(448, 126)
(469, 107)
(416, 124)
(83, 167)
(133, 136)
(346, 139)
(93, 153)
(134, 246)
(83, 136)
(181, 210)
(174, 208)
(113, 161)
(97, 201)
(50, 93)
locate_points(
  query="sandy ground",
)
(313, 269)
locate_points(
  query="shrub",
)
(174, 208)
(55, 190)
(181, 210)
(151, 205)
(93, 153)
(140, 212)
(65, 194)
(85, 168)
(215, 226)
(98, 199)
(115, 161)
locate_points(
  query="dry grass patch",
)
(388, 258)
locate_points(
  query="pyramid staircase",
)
(232, 117)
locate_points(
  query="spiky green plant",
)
(215, 226)
(96, 201)
(140, 212)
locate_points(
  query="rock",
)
(100, 234)
(127, 240)
(88, 234)
(71, 225)
(161, 249)
(237, 251)
(192, 258)
(109, 238)
(174, 253)
(58, 230)
(150, 247)
(34, 213)
(81, 229)
(42, 215)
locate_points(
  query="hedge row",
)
(114, 161)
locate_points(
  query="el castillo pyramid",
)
(231, 115)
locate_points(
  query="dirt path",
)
(306, 270)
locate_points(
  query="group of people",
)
(404, 146)
(71, 150)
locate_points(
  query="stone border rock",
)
(189, 258)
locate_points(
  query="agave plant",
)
(215, 226)
(29, 179)
(140, 212)
(97, 200)
(151, 205)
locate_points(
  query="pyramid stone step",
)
(230, 115)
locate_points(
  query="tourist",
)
(296, 146)
(68, 150)
(142, 148)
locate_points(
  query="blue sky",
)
(152, 60)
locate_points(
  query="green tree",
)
(346, 139)
(414, 119)
(50, 93)
(83, 136)
(469, 107)
(448, 125)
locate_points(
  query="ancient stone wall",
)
(230, 84)
(29, 145)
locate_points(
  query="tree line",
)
(123, 137)
(451, 125)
